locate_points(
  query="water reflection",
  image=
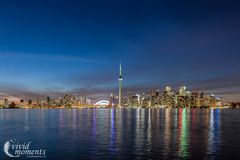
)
(184, 134)
(167, 131)
(149, 133)
(26, 126)
(120, 133)
(112, 146)
(214, 133)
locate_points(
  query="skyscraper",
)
(120, 87)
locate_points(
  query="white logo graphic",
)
(15, 149)
(6, 149)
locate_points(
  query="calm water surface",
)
(125, 133)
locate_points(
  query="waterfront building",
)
(130, 101)
(138, 99)
(153, 93)
(29, 102)
(219, 102)
(182, 91)
(6, 103)
(157, 93)
(48, 100)
(134, 101)
(152, 98)
(111, 100)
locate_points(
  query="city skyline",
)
(166, 97)
(49, 49)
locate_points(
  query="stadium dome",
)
(102, 103)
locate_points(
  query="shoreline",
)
(127, 108)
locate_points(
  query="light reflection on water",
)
(184, 137)
(214, 132)
(126, 133)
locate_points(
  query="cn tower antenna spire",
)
(120, 86)
(120, 69)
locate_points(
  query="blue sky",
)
(55, 47)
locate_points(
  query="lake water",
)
(125, 133)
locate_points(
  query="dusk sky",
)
(49, 48)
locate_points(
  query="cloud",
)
(89, 80)
(224, 82)
(43, 57)
(22, 92)
(101, 86)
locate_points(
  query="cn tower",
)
(120, 86)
